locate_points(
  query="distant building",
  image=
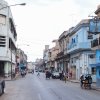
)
(21, 59)
(39, 64)
(52, 54)
(45, 56)
(30, 66)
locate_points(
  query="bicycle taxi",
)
(86, 81)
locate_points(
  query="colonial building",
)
(52, 56)
(79, 48)
(60, 55)
(46, 56)
(8, 37)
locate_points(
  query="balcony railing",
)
(78, 46)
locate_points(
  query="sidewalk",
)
(93, 85)
(13, 79)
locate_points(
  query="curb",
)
(13, 79)
(93, 88)
(97, 89)
(10, 79)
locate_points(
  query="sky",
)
(39, 22)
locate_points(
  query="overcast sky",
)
(41, 21)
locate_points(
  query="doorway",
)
(1, 68)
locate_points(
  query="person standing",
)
(66, 76)
(81, 80)
(60, 75)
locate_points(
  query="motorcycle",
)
(23, 73)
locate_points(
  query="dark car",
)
(48, 74)
(2, 86)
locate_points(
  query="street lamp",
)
(8, 7)
(22, 4)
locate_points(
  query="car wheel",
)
(1, 91)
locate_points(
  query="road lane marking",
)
(57, 95)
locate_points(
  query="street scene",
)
(49, 50)
(33, 87)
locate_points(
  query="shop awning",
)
(94, 65)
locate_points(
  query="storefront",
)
(97, 66)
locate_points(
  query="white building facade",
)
(8, 38)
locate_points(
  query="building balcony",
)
(78, 47)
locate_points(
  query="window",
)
(2, 41)
(72, 60)
(2, 19)
(92, 56)
(90, 36)
(12, 28)
(93, 70)
(99, 72)
(49, 54)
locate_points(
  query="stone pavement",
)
(94, 87)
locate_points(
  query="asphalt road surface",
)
(33, 87)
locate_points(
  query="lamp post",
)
(8, 7)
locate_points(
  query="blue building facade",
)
(79, 48)
(94, 28)
(98, 67)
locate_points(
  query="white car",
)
(55, 75)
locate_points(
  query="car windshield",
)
(45, 46)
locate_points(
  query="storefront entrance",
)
(1, 68)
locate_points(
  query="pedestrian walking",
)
(38, 73)
(66, 77)
(81, 80)
(70, 75)
(32, 71)
(60, 75)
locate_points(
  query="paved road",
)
(34, 87)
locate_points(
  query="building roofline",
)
(82, 23)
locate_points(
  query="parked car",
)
(2, 86)
(55, 75)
